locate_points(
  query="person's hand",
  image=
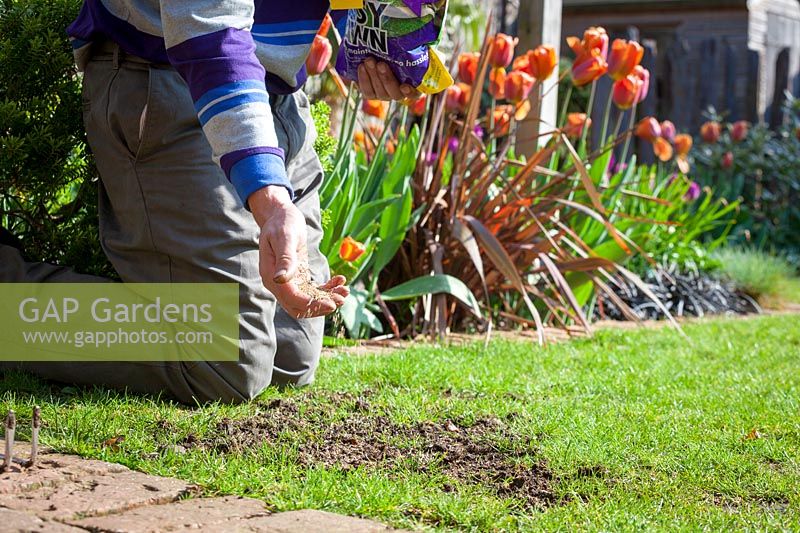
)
(377, 82)
(283, 253)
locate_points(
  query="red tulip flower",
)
(518, 86)
(453, 97)
(663, 149)
(350, 249)
(543, 61)
(727, 160)
(468, 67)
(502, 51)
(419, 105)
(375, 108)
(626, 91)
(648, 129)
(739, 131)
(576, 122)
(710, 132)
(683, 144)
(497, 83)
(319, 56)
(624, 57)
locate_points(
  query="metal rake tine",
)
(36, 423)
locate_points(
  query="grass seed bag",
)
(401, 33)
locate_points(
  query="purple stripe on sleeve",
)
(228, 160)
(96, 23)
(214, 59)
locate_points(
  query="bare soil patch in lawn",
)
(342, 431)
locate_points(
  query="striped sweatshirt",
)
(231, 53)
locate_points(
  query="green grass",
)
(759, 273)
(661, 419)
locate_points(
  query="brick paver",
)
(65, 493)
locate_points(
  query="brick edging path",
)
(66, 493)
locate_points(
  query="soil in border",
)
(485, 452)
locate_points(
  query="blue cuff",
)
(258, 171)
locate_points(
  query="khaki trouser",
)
(168, 214)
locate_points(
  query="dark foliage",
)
(47, 179)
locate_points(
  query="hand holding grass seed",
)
(283, 261)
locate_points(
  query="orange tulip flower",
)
(594, 42)
(683, 144)
(350, 249)
(375, 108)
(739, 131)
(523, 64)
(502, 51)
(319, 56)
(576, 122)
(626, 91)
(543, 61)
(502, 120)
(624, 57)
(418, 106)
(497, 83)
(587, 69)
(662, 149)
(519, 86)
(648, 129)
(468, 67)
(710, 132)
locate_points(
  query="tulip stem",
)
(590, 107)
(606, 117)
(629, 133)
(492, 144)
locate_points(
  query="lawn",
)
(629, 430)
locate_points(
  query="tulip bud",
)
(626, 91)
(727, 160)
(350, 249)
(668, 130)
(740, 130)
(588, 68)
(319, 56)
(576, 122)
(502, 51)
(375, 108)
(419, 105)
(543, 61)
(662, 149)
(648, 129)
(468, 67)
(710, 132)
(518, 86)
(325, 27)
(497, 83)
(624, 57)
(683, 144)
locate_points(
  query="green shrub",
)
(47, 178)
(759, 274)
